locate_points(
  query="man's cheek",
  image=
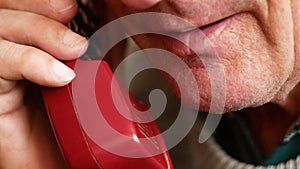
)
(295, 75)
(254, 70)
(253, 76)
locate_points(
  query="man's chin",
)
(226, 98)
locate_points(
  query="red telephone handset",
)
(74, 121)
(79, 150)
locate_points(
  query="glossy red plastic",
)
(79, 150)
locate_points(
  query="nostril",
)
(140, 4)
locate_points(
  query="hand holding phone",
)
(85, 111)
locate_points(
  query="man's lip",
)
(178, 27)
(194, 41)
(201, 27)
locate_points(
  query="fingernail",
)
(84, 48)
(61, 6)
(62, 72)
(72, 39)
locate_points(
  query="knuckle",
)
(35, 64)
(48, 28)
(16, 59)
(28, 60)
(6, 86)
(11, 101)
(28, 56)
(7, 51)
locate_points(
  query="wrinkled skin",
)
(261, 66)
(258, 43)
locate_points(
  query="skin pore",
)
(258, 45)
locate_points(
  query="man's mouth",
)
(184, 26)
(220, 24)
(187, 42)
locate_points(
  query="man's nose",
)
(140, 4)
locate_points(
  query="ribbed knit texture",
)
(213, 157)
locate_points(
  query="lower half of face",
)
(255, 46)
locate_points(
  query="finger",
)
(60, 10)
(44, 33)
(18, 62)
(141, 4)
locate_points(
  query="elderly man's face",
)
(258, 43)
